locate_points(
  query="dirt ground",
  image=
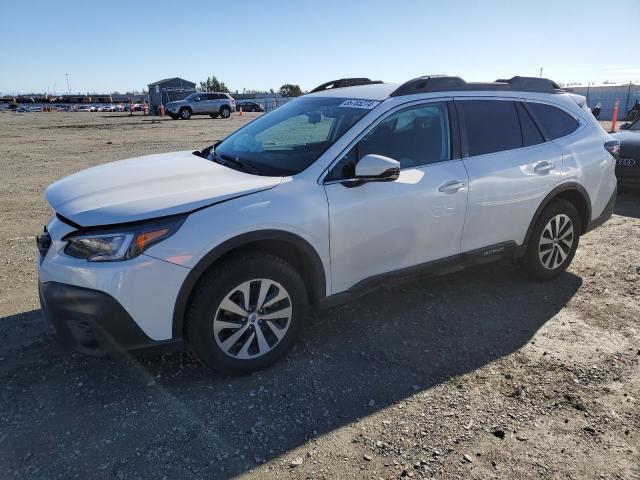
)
(478, 374)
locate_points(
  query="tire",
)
(214, 115)
(211, 326)
(553, 242)
(185, 114)
(225, 112)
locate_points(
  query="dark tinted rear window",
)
(530, 133)
(554, 122)
(491, 125)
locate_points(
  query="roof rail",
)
(532, 84)
(443, 83)
(344, 82)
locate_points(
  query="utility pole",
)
(68, 89)
(540, 71)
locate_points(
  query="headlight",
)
(122, 242)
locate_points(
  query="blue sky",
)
(252, 44)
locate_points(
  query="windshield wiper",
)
(239, 163)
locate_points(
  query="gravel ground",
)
(477, 374)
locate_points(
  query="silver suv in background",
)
(213, 104)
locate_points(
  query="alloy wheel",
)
(556, 241)
(252, 318)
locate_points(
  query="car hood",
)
(149, 187)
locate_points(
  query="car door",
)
(212, 103)
(380, 227)
(197, 104)
(511, 170)
(219, 101)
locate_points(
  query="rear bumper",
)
(606, 213)
(93, 322)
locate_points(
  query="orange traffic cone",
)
(241, 114)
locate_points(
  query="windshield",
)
(293, 136)
(192, 96)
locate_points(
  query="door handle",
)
(543, 167)
(452, 186)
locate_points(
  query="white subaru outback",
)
(225, 249)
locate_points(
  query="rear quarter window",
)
(554, 122)
(530, 133)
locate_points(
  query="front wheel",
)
(185, 114)
(553, 243)
(225, 112)
(246, 313)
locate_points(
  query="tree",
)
(290, 90)
(13, 104)
(213, 85)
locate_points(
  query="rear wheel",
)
(553, 243)
(225, 112)
(185, 114)
(246, 314)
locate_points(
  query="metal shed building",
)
(169, 89)
(606, 95)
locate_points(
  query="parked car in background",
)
(317, 201)
(628, 165)
(86, 108)
(214, 104)
(249, 107)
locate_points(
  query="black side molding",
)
(454, 263)
(606, 213)
(564, 187)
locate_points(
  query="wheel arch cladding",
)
(572, 192)
(288, 246)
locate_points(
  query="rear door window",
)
(491, 126)
(554, 122)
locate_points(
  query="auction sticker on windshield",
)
(359, 103)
